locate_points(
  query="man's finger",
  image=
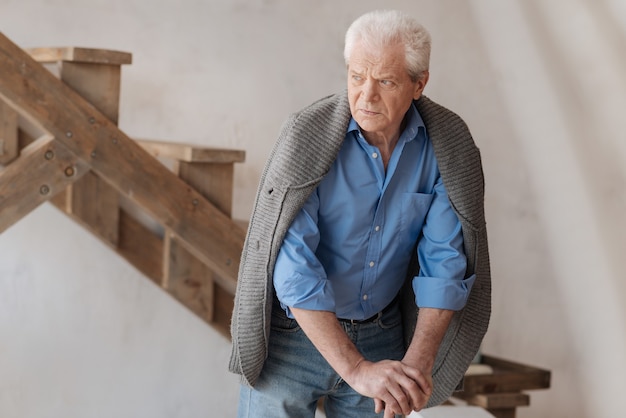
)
(389, 413)
(404, 392)
(379, 406)
(424, 382)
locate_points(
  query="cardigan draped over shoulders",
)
(304, 152)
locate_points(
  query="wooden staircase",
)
(164, 207)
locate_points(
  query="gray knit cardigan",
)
(306, 148)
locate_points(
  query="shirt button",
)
(364, 297)
(377, 228)
(372, 264)
(374, 155)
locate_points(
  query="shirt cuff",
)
(438, 293)
(305, 293)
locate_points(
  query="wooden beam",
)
(75, 54)
(188, 279)
(91, 201)
(205, 230)
(9, 145)
(45, 168)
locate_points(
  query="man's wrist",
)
(423, 363)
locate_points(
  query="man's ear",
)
(420, 85)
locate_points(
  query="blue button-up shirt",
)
(348, 249)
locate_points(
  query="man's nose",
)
(370, 90)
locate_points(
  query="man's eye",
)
(386, 83)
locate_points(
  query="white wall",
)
(540, 84)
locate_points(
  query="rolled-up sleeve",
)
(441, 282)
(299, 278)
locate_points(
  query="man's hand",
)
(425, 391)
(396, 387)
(420, 357)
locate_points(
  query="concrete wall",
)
(541, 85)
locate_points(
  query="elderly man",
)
(362, 188)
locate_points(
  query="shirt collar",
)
(414, 122)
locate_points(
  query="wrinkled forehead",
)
(379, 59)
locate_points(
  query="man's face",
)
(380, 90)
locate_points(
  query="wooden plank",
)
(498, 400)
(206, 231)
(8, 134)
(188, 280)
(504, 382)
(98, 84)
(76, 54)
(506, 377)
(50, 167)
(213, 181)
(91, 200)
(95, 204)
(191, 153)
(141, 247)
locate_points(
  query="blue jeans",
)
(295, 375)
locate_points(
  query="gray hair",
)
(382, 28)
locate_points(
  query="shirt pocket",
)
(415, 207)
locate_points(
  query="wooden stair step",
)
(191, 153)
(78, 54)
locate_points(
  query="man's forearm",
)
(327, 335)
(431, 327)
